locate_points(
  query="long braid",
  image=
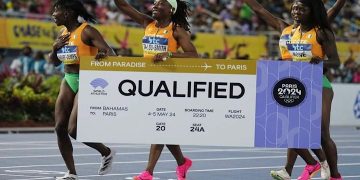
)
(78, 8)
(318, 14)
(181, 15)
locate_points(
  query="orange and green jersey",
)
(71, 53)
(304, 46)
(158, 40)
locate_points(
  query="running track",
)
(34, 156)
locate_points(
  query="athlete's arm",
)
(264, 14)
(184, 40)
(334, 10)
(137, 16)
(327, 40)
(92, 37)
(60, 42)
(183, 37)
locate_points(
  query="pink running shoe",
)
(340, 178)
(309, 171)
(145, 175)
(182, 170)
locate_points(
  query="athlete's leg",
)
(312, 166)
(101, 148)
(306, 156)
(290, 161)
(177, 153)
(326, 141)
(319, 154)
(155, 152)
(184, 164)
(63, 106)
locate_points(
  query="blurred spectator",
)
(246, 16)
(230, 16)
(356, 76)
(2, 6)
(15, 6)
(348, 70)
(218, 27)
(24, 64)
(49, 68)
(91, 6)
(39, 63)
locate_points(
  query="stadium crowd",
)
(214, 16)
(218, 16)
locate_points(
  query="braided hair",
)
(181, 15)
(318, 14)
(77, 7)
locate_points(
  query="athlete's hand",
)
(315, 60)
(161, 57)
(102, 54)
(61, 41)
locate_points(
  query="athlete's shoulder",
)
(150, 24)
(324, 35)
(179, 32)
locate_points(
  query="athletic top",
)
(158, 40)
(71, 53)
(304, 46)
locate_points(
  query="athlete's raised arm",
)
(184, 40)
(334, 10)
(134, 14)
(264, 14)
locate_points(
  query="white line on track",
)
(17, 175)
(200, 170)
(355, 136)
(146, 153)
(138, 153)
(162, 161)
(167, 152)
(348, 141)
(80, 146)
(28, 142)
(356, 176)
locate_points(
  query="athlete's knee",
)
(61, 129)
(328, 95)
(172, 147)
(325, 136)
(72, 132)
(159, 146)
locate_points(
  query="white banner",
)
(192, 104)
(345, 110)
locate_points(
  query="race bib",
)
(283, 42)
(300, 52)
(68, 55)
(154, 45)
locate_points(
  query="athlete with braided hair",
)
(165, 31)
(312, 29)
(75, 40)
